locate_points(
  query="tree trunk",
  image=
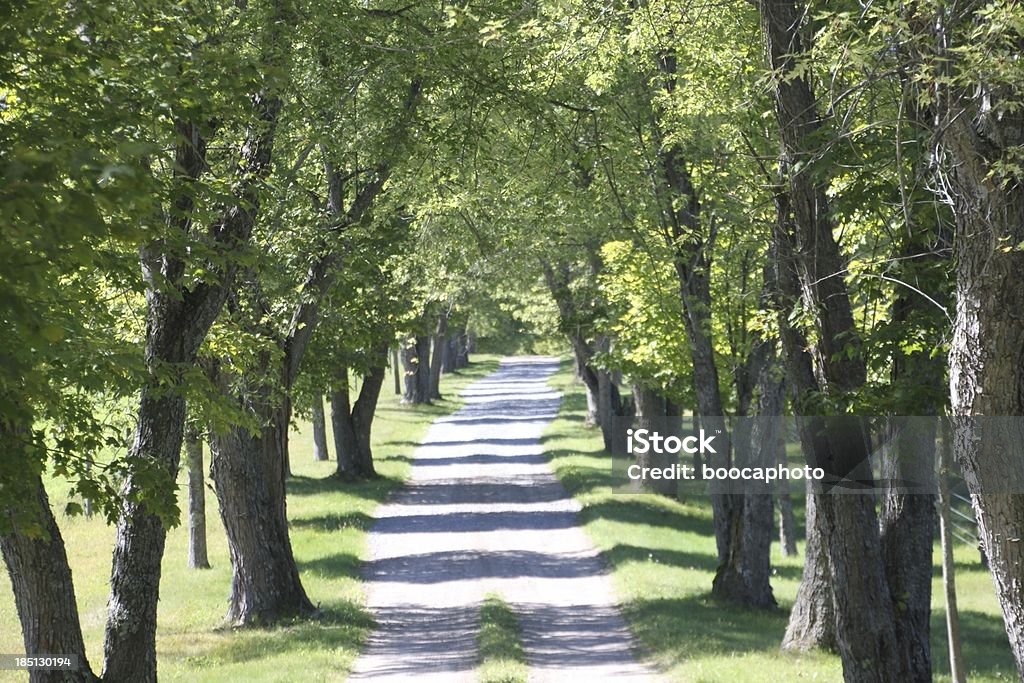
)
(397, 369)
(177, 321)
(44, 594)
(957, 666)
(908, 522)
(784, 502)
(980, 125)
(865, 615)
(649, 408)
(423, 371)
(248, 473)
(437, 355)
(197, 555)
(462, 355)
(414, 372)
(744, 576)
(352, 424)
(345, 443)
(609, 404)
(812, 621)
(451, 352)
(319, 430)
(139, 545)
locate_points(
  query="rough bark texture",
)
(744, 576)
(572, 322)
(987, 352)
(957, 669)
(784, 503)
(197, 555)
(177, 321)
(248, 472)
(44, 594)
(649, 407)
(416, 365)
(352, 425)
(812, 621)
(907, 510)
(319, 420)
(439, 342)
(865, 615)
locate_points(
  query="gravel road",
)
(483, 513)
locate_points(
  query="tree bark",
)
(396, 367)
(986, 361)
(197, 555)
(177, 321)
(451, 353)
(865, 615)
(744, 576)
(784, 502)
(812, 621)
(439, 342)
(352, 425)
(609, 405)
(416, 372)
(649, 408)
(570, 320)
(423, 372)
(957, 666)
(248, 473)
(320, 453)
(345, 445)
(44, 594)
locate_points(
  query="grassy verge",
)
(501, 653)
(662, 556)
(329, 523)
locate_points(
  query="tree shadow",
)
(336, 565)
(373, 489)
(700, 625)
(985, 645)
(633, 510)
(341, 625)
(334, 522)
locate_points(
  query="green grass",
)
(662, 556)
(329, 523)
(501, 653)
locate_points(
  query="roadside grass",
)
(662, 557)
(329, 524)
(501, 652)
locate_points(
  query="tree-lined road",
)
(482, 513)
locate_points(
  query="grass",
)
(329, 523)
(501, 653)
(661, 553)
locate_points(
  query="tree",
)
(197, 555)
(865, 617)
(978, 122)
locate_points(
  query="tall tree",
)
(980, 125)
(865, 614)
(179, 314)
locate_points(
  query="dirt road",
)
(482, 513)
